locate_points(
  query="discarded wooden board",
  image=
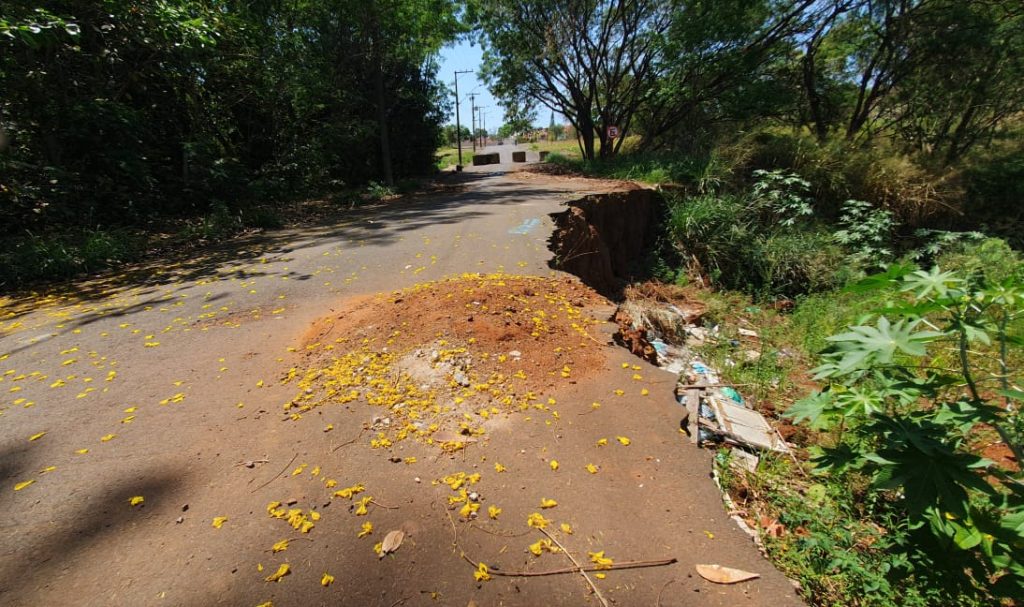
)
(743, 426)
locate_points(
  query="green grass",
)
(446, 157)
(33, 257)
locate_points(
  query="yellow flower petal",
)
(537, 521)
(493, 512)
(602, 442)
(107, 438)
(367, 529)
(135, 501)
(481, 574)
(326, 580)
(624, 441)
(280, 546)
(37, 436)
(554, 464)
(566, 528)
(282, 571)
(591, 468)
(23, 484)
(219, 521)
(547, 503)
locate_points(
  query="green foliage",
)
(867, 232)
(123, 113)
(907, 394)
(32, 257)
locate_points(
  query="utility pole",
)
(482, 117)
(458, 126)
(472, 106)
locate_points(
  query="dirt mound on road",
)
(447, 360)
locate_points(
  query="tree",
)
(593, 61)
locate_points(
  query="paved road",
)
(158, 382)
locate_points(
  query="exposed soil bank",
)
(602, 238)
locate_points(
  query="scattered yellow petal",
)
(259, 384)
(619, 392)
(493, 512)
(326, 580)
(602, 442)
(599, 559)
(547, 503)
(644, 392)
(554, 464)
(481, 574)
(23, 484)
(299, 470)
(537, 521)
(135, 501)
(600, 576)
(37, 436)
(82, 451)
(625, 365)
(361, 508)
(566, 528)
(499, 468)
(131, 409)
(47, 469)
(107, 438)
(329, 427)
(367, 529)
(591, 468)
(624, 441)
(710, 535)
(219, 521)
(282, 571)
(280, 546)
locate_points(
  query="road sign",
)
(613, 132)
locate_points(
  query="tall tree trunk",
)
(377, 65)
(813, 98)
(382, 125)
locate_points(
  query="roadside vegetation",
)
(121, 122)
(844, 179)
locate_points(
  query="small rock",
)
(292, 502)
(515, 354)
(460, 378)
(179, 520)
(417, 479)
(752, 356)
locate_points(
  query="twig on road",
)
(593, 586)
(273, 478)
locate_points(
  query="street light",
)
(458, 125)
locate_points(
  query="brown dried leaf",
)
(725, 575)
(391, 542)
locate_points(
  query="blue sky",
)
(464, 56)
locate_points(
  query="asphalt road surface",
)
(164, 382)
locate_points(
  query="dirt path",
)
(210, 389)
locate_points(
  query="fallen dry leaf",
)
(725, 575)
(392, 541)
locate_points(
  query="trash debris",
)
(746, 332)
(725, 575)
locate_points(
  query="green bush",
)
(31, 258)
(908, 395)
